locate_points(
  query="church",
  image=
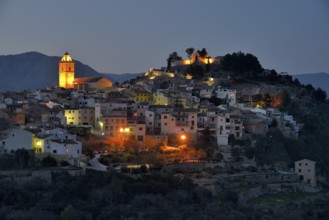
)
(68, 81)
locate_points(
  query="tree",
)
(319, 95)
(172, 57)
(235, 153)
(22, 158)
(249, 152)
(196, 71)
(49, 161)
(242, 63)
(150, 143)
(4, 124)
(131, 144)
(207, 142)
(189, 52)
(203, 53)
(69, 213)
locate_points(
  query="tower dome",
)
(66, 58)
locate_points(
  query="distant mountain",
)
(34, 70)
(317, 80)
(122, 77)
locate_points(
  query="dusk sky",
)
(133, 36)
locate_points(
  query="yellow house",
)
(80, 116)
(143, 96)
(38, 144)
(161, 98)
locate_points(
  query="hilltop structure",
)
(68, 81)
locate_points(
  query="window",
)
(141, 129)
(67, 150)
(55, 151)
(140, 138)
(165, 124)
(299, 170)
(165, 117)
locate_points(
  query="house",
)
(80, 116)
(91, 83)
(15, 138)
(57, 141)
(115, 123)
(305, 168)
(227, 94)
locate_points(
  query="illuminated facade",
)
(80, 116)
(66, 72)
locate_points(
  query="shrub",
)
(49, 161)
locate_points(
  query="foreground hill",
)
(315, 79)
(34, 70)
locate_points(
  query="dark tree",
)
(274, 123)
(272, 77)
(196, 71)
(22, 158)
(242, 63)
(203, 53)
(319, 95)
(207, 142)
(296, 82)
(172, 57)
(49, 161)
(249, 152)
(189, 52)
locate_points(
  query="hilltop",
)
(315, 79)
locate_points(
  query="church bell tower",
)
(66, 72)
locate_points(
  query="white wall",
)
(16, 139)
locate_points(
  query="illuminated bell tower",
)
(66, 72)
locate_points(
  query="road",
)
(95, 165)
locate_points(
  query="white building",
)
(14, 139)
(65, 147)
(57, 141)
(306, 170)
(228, 94)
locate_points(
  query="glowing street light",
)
(183, 137)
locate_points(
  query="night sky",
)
(135, 35)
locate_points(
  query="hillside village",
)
(207, 124)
